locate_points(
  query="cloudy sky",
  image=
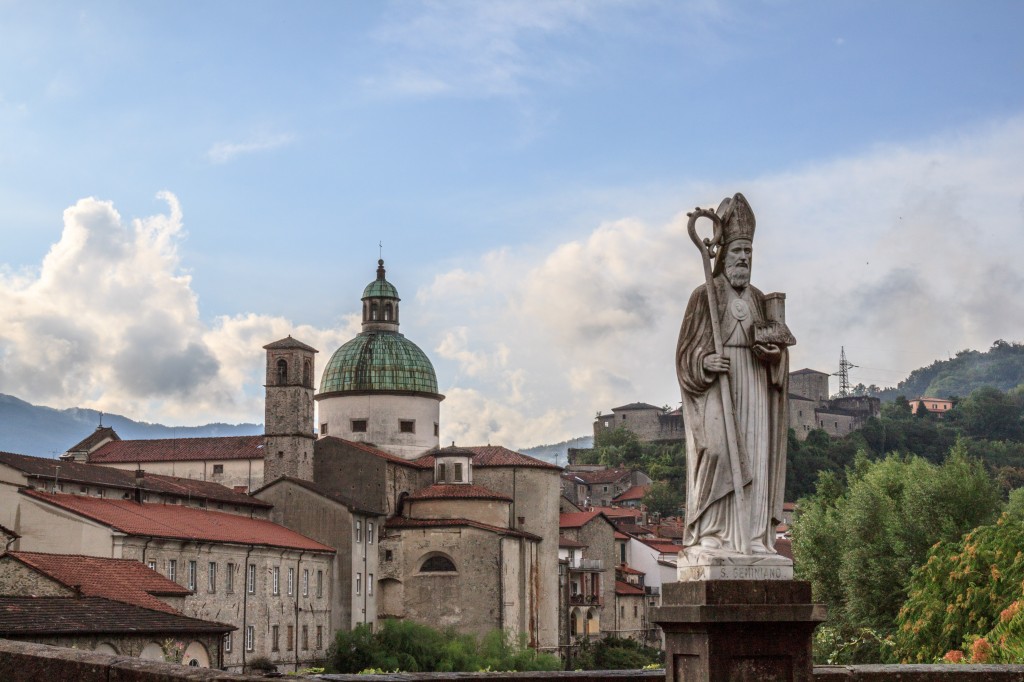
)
(183, 183)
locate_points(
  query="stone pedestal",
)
(738, 630)
(699, 563)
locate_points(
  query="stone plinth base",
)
(738, 630)
(699, 563)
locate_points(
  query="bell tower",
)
(288, 420)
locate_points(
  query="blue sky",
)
(526, 166)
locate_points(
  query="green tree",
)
(664, 498)
(858, 545)
(990, 414)
(967, 589)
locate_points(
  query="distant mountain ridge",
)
(28, 429)
(557, 453)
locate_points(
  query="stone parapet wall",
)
(25, 662)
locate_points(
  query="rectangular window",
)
(407, 426)
(319, 636)
(359, 531)
(290, 644)
(227, 642)
(211, 577)
(358, 426)
(305, 637)
(323, 429)
(250, 635)
(319, 583)
(172, 570)
(218, 468)
(369, 584)
(388, 555)
(437, 429)
(440, 473)
(305, 582)
(291, 581)
(151, 565)
(369, 532)
(192, 575)
(458, 472)
(275, 583)
(250, 579)
(275, 633)
(229, 579)
(359, 584)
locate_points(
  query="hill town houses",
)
(221, 551)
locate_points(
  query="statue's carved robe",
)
(759, 398)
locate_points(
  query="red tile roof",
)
(179, 449)
(784, 546)
(124, 580)
(635, 492)
(455, 491)
(95, 438)
(576, 519)
(54, 470)
(399, 522)
(497, 456)
(628, 569)
(625, 589)
(183, 523)
(23, 617)
(619, 535)
(570, 543)
(663, 546)
(620, 512)
(603, 476)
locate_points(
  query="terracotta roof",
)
(96, 475)
(180, 449)
(636, 406)
(663, 546)
(624, 589)
(784, 546)
(634, 529)
(576, 519)
(628, 569)
(398, 522)
(620, 512)
(95, 438)
(324, 492)
(377, 452)
(289, 342)
(635, 492)
(124, 580)
(570, 543)
(497, 456)
(456, 491)
(175, 521)
(619, 535)
(603, 476)
(34, 616)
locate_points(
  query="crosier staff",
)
(708, 250)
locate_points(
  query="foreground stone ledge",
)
(919, 673)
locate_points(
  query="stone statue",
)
(733, 368)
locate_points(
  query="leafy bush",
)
(614, 653)
(412, 647)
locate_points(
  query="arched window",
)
(373, 311)
(437, 564)
(282, 372)
(387, 312)
(306, 372)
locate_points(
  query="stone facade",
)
(810, 407)
(649, 422)
(288, 410)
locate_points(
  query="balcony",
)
(585, 600)
(591, 565)
(653, 590)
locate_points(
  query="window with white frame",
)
(359, 584)
(250, 579)
(369, 532)
(151, 565)
(191, 575)
(211, 577)
(172, 570)
(229, 579)
(275, 580)
(319, 584)
(319, 636)
(227, 642)
(291, 581)
(359, 531)
(369, 584)
(250, 636)
(305, 582)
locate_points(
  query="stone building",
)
(114, 606)
(598, 487)
(288, 410)
(591, 576)
(649, 422)
(268, 582)
(232, 461)
(810, 407)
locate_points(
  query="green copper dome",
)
(380, 287)
(379, 361)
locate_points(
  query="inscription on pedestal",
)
(687, 573)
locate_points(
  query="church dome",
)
(379, 361)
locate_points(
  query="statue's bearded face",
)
(738, 255)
